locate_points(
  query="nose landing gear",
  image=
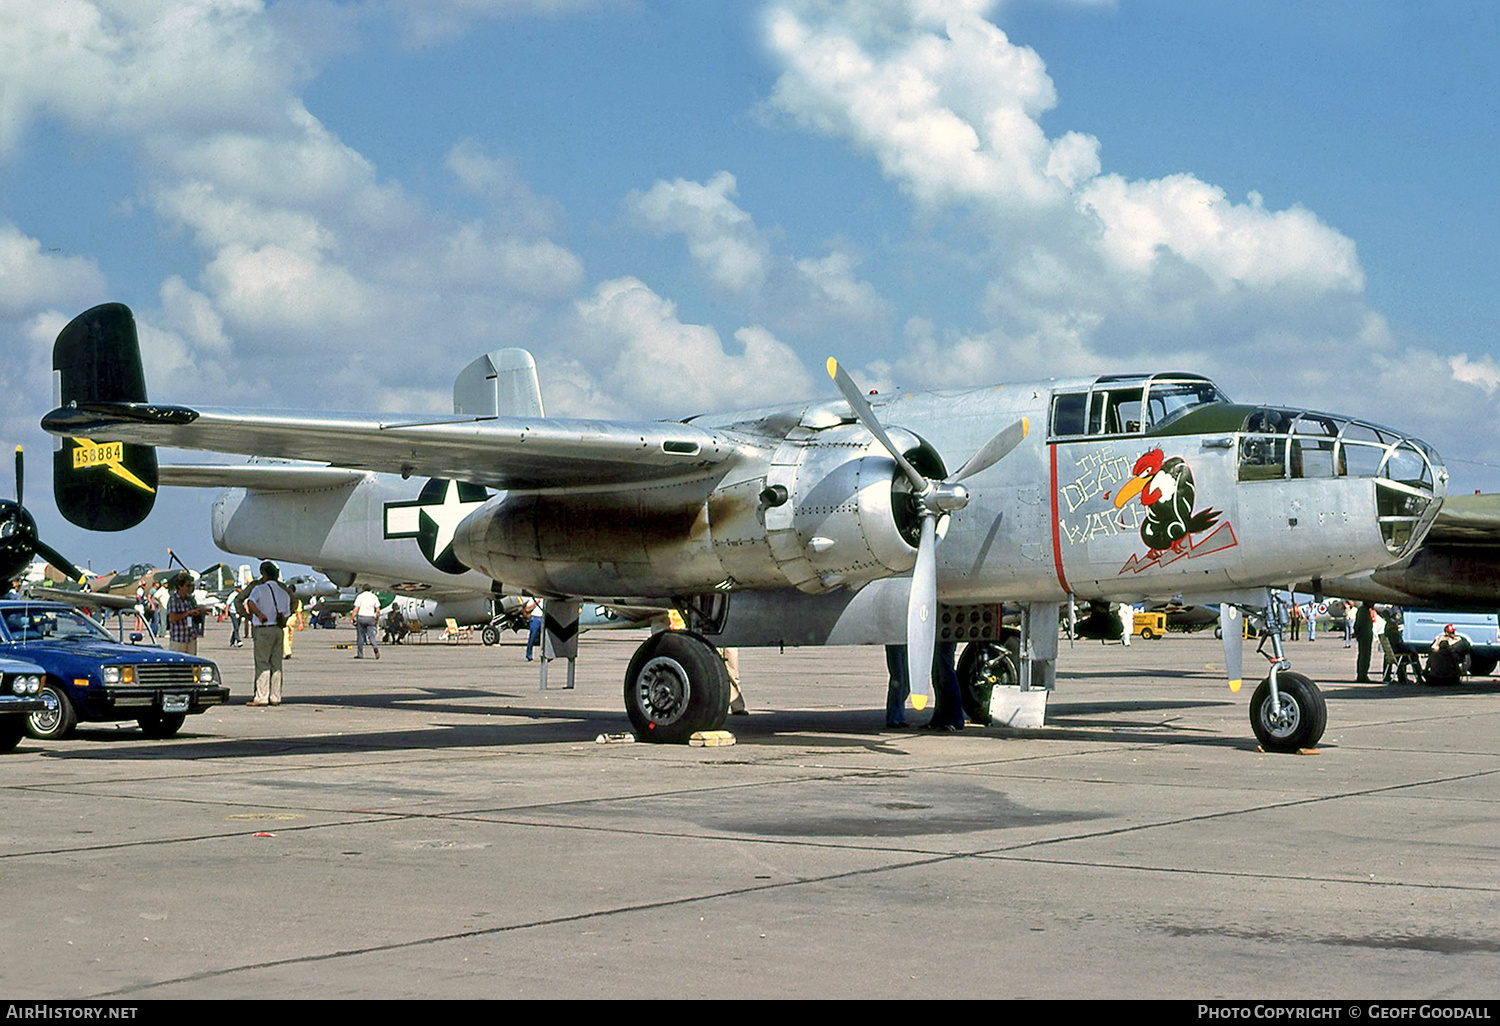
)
(1287, 711)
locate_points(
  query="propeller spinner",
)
(934, 499)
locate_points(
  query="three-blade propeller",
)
(935, 499)
(18, 538)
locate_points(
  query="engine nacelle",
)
(827, 508)
(850, 517)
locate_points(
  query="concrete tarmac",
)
(432, 825)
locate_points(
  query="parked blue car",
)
(91, 677)
(20, 695)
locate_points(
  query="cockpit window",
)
(1115, 411)
(1068, 411)
(1168, 400)
(1129, 404)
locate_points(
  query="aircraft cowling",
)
(850, 518)
(825, 509)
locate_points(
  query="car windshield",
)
(26, 624)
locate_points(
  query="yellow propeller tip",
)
(1234, 687)
(1025, 426)
(833, 367)
(919, 702)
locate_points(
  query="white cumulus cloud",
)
(303, 246)
(806, 295)
(647, 353)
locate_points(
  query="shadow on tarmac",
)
(1123, 722)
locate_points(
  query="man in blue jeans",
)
(534, 623)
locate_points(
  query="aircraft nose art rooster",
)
(1165, 487)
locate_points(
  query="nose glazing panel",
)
(1410, 479)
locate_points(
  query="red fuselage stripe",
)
(1056, 539)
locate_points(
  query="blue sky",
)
(684, 206)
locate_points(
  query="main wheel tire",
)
(984, 666)
(676, 685)
(57, 720)
(161, 724)
(1304, 714)
(490, 635)
(12, 729)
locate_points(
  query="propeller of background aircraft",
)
(19, 543)
(934, 500)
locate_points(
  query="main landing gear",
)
(1287, 711)
(676, 686)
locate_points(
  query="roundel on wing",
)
(433, 519)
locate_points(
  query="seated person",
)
(395, 627)
(1449, 657)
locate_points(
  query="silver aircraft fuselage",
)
(1221, 497)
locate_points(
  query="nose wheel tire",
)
(56, 720)
(1300, 720)
(490, 635)
(984, 666)
(676, 686)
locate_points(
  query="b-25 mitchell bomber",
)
(838, 521)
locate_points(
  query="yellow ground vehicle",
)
(1149, 625)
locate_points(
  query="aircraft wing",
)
(512, 453)
(94, 599)
(1467, 519)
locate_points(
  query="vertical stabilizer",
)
(499, 384)
(101, 486)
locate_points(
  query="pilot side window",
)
(1067, 413)
(1104, 411)
(1115, 412)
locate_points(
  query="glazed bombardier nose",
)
(1409, 476)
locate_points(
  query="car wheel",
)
(161, 724)
(56, 720)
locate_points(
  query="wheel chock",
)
(614, 739)
(711, 739)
